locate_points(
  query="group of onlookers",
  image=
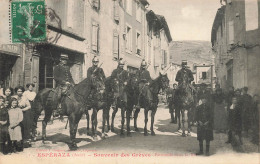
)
(16, 118)
(233, 112)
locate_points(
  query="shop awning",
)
(11, 49)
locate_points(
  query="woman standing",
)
(220, 113)
(30, 94)
(8, 93)
(25, 105)
(4, 136)
(15, 118)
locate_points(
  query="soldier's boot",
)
(201, 148)
(229, 137)
(207, 148)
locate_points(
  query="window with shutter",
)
(115, 43)
(116, 11)
(231, 32)
(95, 35)
(96, 4)
(138, 43)
(128, 38)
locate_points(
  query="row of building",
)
(109, 29)
(235, 41)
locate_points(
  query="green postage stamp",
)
(28, 21)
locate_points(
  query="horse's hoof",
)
(188, 134)
(136, 129)
(122, 134)
(129, 134)
(108, 128)
(183, 135)
(112, 129)
(103, 136)
(145, 134)
(73, 148)
(152, 133)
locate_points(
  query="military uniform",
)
(62, 75)
(170, 92)
(122, 76)
(96, 69)
(180, 77)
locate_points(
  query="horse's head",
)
(164, 81)
(98, 83)
(115, 85)
(133, 81)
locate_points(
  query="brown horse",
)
(184, 100)
(73, 105)
(161, 82)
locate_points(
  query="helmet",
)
(95, 59)
(121, 62)
(64, 56)
(143, 63)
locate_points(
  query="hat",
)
(95, 59)
(184, 62)
(143, 63)
(64, 56)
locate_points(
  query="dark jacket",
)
(180, 75)
(120, 74)
(62, 74)
(144, 76)
(98, 71)
(235, 119)
(170, 92)
(204, 114)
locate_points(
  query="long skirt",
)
(4, 134)
(27, 124)
(220, 117)
(15, 134)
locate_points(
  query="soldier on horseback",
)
(93, 73)
(122, 76)
(63, 79)
(183, 74)
(144, 79)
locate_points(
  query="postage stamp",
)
(28, 21)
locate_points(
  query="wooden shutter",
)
(231, 32)
(95, 30)
(116, 11)
(115, 43)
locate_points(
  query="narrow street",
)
(168, 142)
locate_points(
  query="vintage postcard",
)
(129, 81)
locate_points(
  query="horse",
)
(184, 99)
(126, 107)
(161, 82)
(73, 105)
(104, 102)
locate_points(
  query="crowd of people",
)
(16, 118)
(234, 112)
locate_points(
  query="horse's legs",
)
(73, 123)
(108, 116)
(152, 121)
(36, 114)
(46, 119)
(87, 117)
(94, 123)
(145, 121)
(189, 115)
(122, 120)
(178, 113)
(113, 117)
(128, 115)
(137, 110)
(183, 121)
(104, 116)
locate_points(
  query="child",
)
(15, 118)
(204, 119)
(4, 136)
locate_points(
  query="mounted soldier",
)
(122, 76)
(63, 79)
(93, 73)
(144, 80)
(184, 74)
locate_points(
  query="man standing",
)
(184, 74)
(63, 79)
(122, 76)
(170, 98)
(144, 79)
(246, 110)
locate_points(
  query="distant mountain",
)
(195, 52)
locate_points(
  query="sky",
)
(187, 19)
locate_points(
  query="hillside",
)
(195, 52)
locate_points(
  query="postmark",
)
(28, 21)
